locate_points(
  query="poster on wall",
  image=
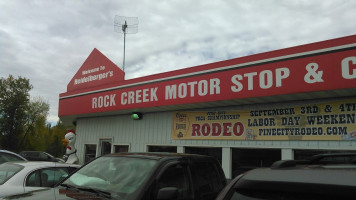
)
(324, 121)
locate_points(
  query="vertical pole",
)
(287, 154)
(124, 27)
(123, 65)
(226, 162)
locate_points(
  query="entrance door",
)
(105, 146)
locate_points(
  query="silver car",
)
(6, 156)
(17, 177)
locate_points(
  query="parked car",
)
(6, 156)
(39, 156)
(17, 177)
(326, 176)
(145, 176)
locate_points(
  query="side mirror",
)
(167, 193)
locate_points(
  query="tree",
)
(36, 127)
(23, 122)
(14, 101)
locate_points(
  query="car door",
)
(209, 180)
(46, 177)
(173, 176)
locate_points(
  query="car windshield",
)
(7, 170)
(119, 176)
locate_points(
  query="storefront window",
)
(247, 159)
(170, 149)
(121, 148)
(211, 151)
(90, 152)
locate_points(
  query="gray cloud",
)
(48, 41)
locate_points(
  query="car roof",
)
(32, 151)
(42, 164)
(23, 152)
(320, 180)
(7, 151)
(303, 175)
(331, 159)
(322, 176)
(159, 155)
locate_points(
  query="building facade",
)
(247, 112)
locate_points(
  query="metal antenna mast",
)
(125, 25)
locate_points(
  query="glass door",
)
(105, 146)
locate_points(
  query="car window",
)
(6, 157)
(33, 180)
(175, 176)
(7, 170)
(47, 177)
(209, 182)
(43, 156)
(71, 169)
(53, 175)
(29, 155)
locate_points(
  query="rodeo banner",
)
(326, 121)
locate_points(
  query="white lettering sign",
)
(103, 101)
(202, 88)
(347, 72)
(139, 96)
(266, 79)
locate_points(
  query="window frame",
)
(85, 152)
(120, 145)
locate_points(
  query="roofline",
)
(217, 69)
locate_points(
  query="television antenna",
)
(125, 25)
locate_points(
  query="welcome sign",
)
(97, 70)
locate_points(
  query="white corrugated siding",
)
(155, 129)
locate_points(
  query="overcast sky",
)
(47, 41)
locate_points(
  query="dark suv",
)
(146, 176)
(326, 176)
